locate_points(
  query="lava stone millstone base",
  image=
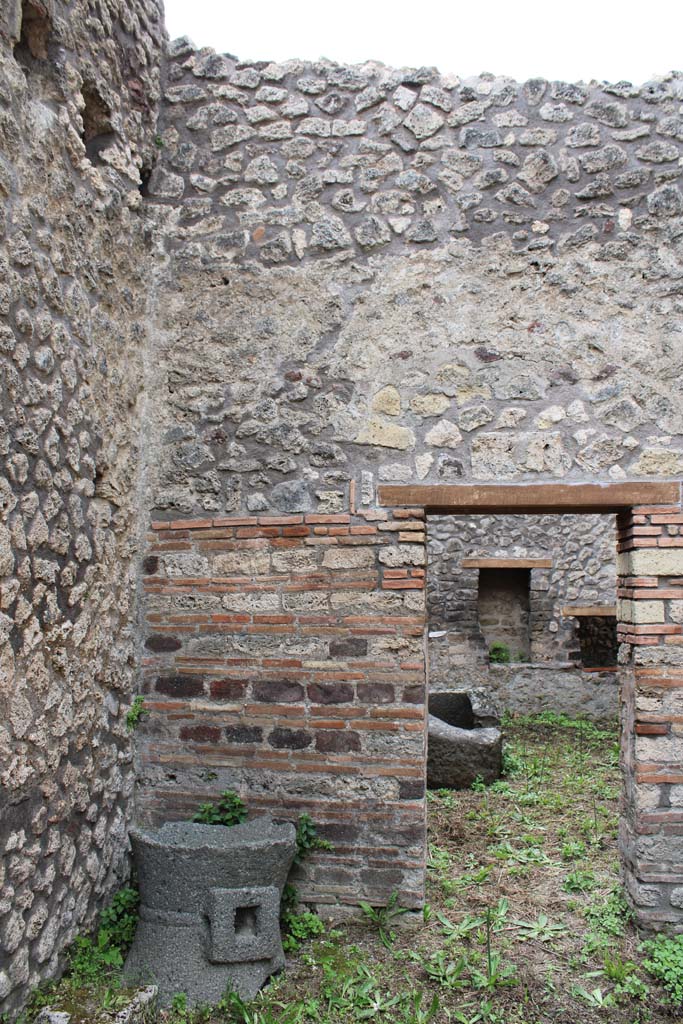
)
(209, 907)
(464, 741)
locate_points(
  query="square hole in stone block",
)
(246, 922)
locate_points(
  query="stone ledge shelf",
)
(585, 611)
(507, 563)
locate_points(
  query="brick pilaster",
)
(284, 658)
(650, 615)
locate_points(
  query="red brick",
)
(250, 532)
(279, 520)
(647, 510)
(344, 518)
(180, 685)
(278, 691)
(189, 524)
(274, 620)
(200, 734)
(227, 689)
(236, 521)
(652, 729)
(337, 741)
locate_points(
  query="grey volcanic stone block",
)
(209, 907)
(464, 740)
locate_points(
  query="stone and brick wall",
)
(582, 552)
(284, 657)
(73, 297)
(227, 329)
(365, 276)
(581, 549)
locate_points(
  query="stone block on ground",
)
(209, 907)
(464, 741)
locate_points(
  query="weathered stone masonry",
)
(73, 297)
(334, 279)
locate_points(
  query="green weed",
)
(381, 918)
(665, 963)
(135, 713)
(230, 809)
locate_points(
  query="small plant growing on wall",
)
(135, 713)
(230, 809)
(499, 653)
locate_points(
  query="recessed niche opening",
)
(598, 644)
(98, 133)
(34, 39)
(145, 175)
(246, 919)
(503, 609)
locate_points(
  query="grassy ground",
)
(525, 922)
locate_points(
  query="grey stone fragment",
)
(658, 152)
(468, 113)
(371, 232)
(437, 97)
(139, 1008)
(464, 741)
(292, 496)
(209, 914)
(212, 65)
(600, 186)
(423, 121)
(329, 233)
(165, 185)
(603, 159)
(569, 92)
(631, 179)
(538, 137)
(538, 170)
(180, 47)
(556, 112)
(534, 90)
(516, 194)
(613, 114)
(422, 231)
(666, 202)
(583, 134)
(487, 138)
(48, 1016)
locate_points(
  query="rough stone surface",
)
(464, 742)
(78, 103)
(210, 907)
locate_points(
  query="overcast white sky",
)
(569, 40)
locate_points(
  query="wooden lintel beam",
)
(538, 499)
(593, 611)
(507, 563)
